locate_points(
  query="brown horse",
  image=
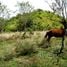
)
(55, 33)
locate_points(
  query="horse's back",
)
(58, 32)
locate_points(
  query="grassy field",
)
(16, 51)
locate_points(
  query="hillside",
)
(36, 20)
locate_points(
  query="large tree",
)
(60, 7)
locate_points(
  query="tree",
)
(4, 15)
(24, 7)
(4, 11)
(60, 7)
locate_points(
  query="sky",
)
(11, 4)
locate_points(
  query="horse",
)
(55, 33)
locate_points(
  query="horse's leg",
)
(62, 45)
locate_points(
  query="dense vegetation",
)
(35, 20)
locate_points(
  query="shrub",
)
(25, 48)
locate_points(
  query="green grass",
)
(27, 52)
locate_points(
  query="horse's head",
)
(48, 33)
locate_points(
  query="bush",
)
(25, 48)
(36, 20)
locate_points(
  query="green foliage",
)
(25, 22)
(36, 20)
(2, 24)
(11, 24)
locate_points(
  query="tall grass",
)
(28, 52)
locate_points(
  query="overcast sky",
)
(35, 3)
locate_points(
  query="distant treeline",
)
(36, 20)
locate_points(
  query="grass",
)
(26, 52)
